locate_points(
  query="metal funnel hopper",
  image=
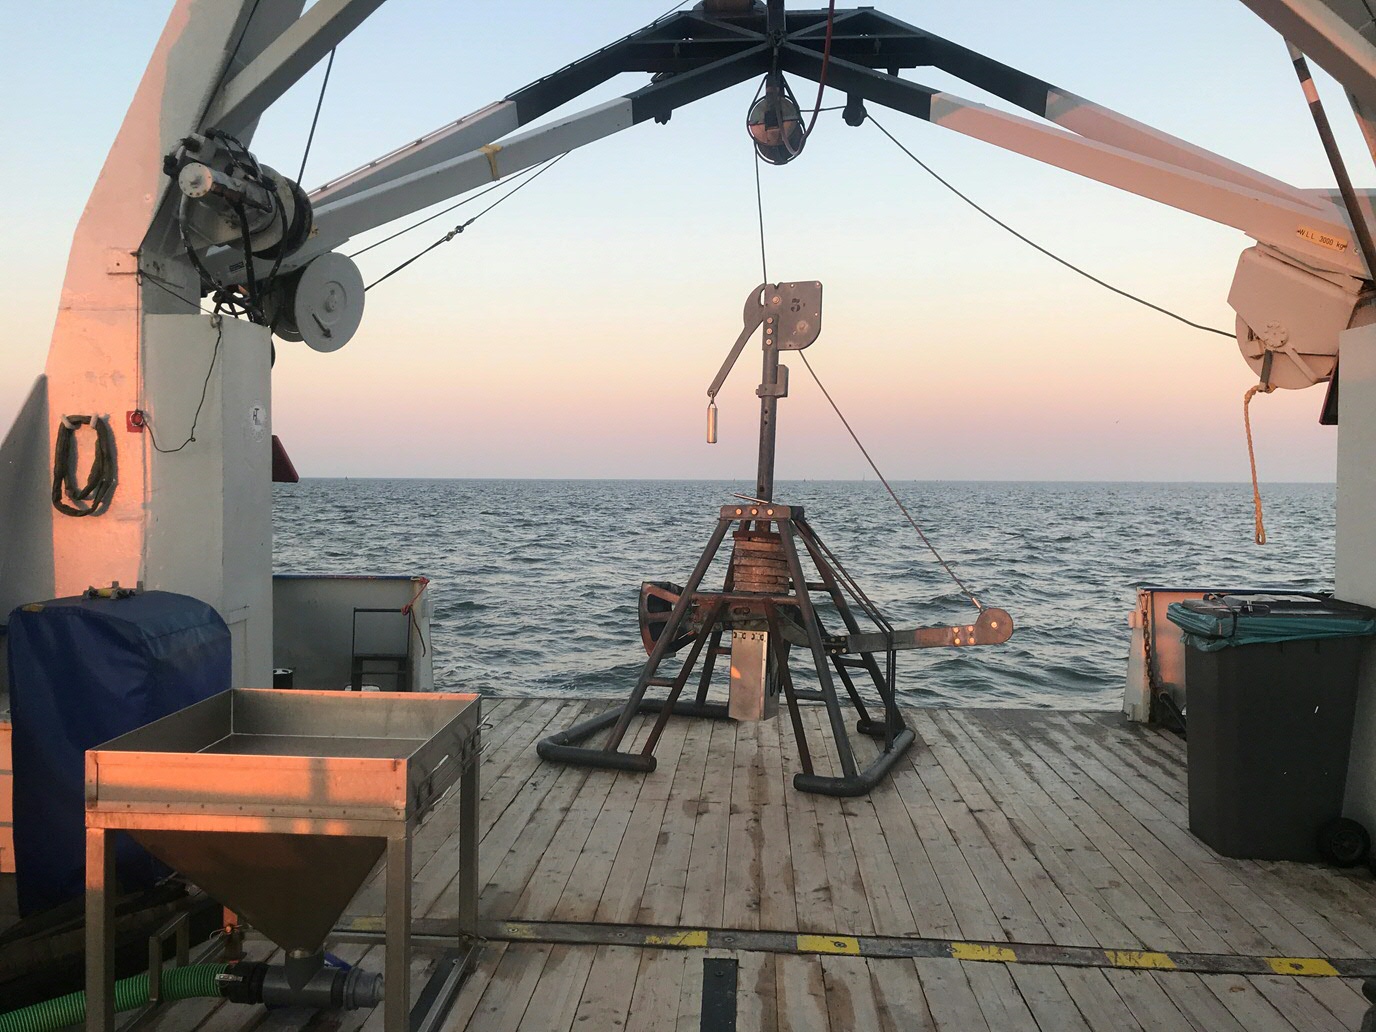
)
(292, 888)
(280, 803)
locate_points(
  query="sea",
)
(535, 582)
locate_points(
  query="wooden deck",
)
(1017, 826)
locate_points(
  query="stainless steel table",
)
(278, 804)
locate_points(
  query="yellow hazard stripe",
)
(1300, 966)
(881, 947)
(846, 944)
(687, 938)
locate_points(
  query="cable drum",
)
(758, 563)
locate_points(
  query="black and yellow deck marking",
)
(874, 947)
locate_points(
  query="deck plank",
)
(973, 912)
(529, 839)
(802, 995)
(556, 864)
(1043, 893)
(1017, 920)
(1118, 831)
(658, 984)
(1114, 914)
(662, 903)
(509, 989)
(554, 1003)
(849, 900)
(951, 1001)
(1298, 1005)
(704, 892)
(816, 912)
(769, 788)
(1147, 1000)
(917, 880)
(1099, 1002)
(587, 881)
(1243, 1000)
(999, 998)
(1047, 998)
(1227, 881)
(607, 993)
(898, 992)
(745, 859)
(851, 1000)
(1141, 896)
(630, 869)
(1033, 826)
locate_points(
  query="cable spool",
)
(321, 304)
(758, 563)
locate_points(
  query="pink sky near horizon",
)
(573, 332)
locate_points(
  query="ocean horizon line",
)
(820, 480)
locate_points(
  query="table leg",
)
(100, 932)
(468, 845)
(397, 977)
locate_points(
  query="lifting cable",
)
(764, 263)
(1038, 247)
(464, 225)
(1263, 387)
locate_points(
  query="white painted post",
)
(1356, 546)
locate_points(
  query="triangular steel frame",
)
(701, 617)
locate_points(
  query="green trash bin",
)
(1270, 693)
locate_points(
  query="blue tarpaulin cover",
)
(1224, 621)
(83, 671)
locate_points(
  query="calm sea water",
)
(535, 582)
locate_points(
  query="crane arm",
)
(1293, 292)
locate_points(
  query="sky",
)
(573, 332)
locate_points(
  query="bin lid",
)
(1222, 621)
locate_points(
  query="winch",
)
(768, 603)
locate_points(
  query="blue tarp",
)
(83, 671)
(1224, 621)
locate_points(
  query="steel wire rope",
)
(764, 263)
(445, 211)
(1038, 247)
(315, 119)
(464, 225)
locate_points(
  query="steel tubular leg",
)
(819, 654)
(790, 699)
(469, 793)
(681, 679)
(851, 690)
(396, 1000)
(709, 666)
(676, 618)
(882, 684)
(100, 931)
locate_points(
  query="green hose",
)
(178, 983)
